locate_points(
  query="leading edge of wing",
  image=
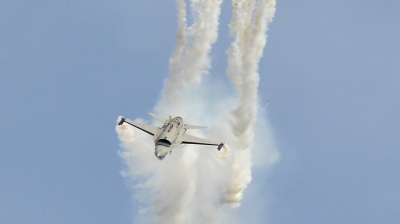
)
(151, 130)
(190, 139)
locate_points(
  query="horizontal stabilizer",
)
(188, 126)
(163, 120)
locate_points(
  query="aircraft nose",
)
(161, 151)
(161, 157)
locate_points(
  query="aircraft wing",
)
(190, 139)
(151, 130)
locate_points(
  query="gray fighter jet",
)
(170, 135)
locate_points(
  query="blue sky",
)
(330, 73)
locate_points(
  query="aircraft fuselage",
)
(166, 139)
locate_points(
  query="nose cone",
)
(161, 152)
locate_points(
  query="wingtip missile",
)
(121, 120)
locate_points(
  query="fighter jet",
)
(170, 135)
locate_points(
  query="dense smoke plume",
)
(193, 184)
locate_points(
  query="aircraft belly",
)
(157, 134)
(170, 136)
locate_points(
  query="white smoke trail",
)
(248, 26)
(192, 184)
(190, 59)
